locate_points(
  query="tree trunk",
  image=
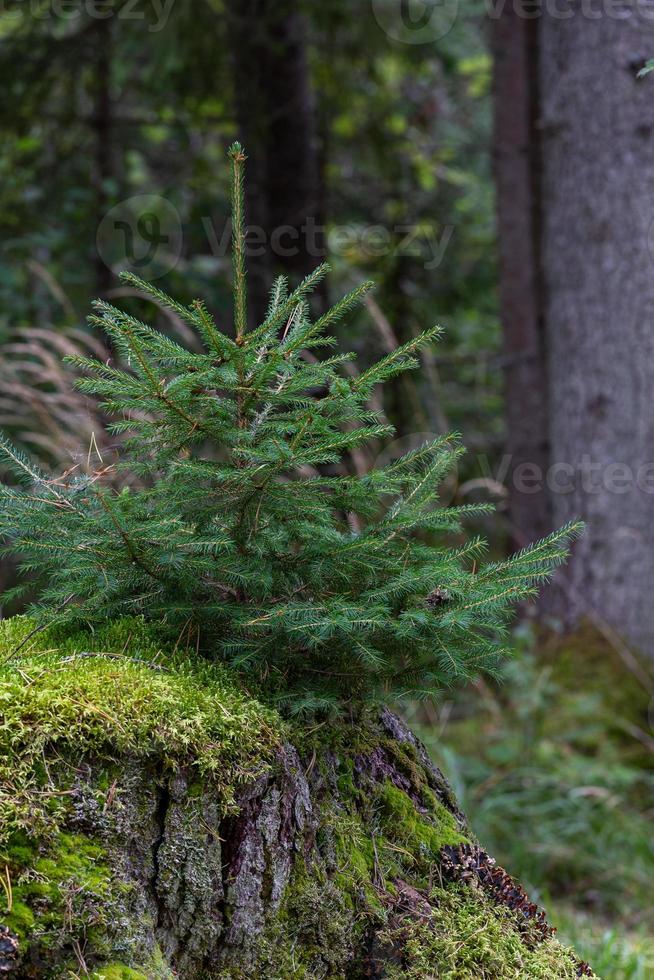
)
(277, 124)
(597, 123)
(517, 170)
(102, 126)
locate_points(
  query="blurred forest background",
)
(491, 172)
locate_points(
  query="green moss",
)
(156, 969)
(20, 920)
(52, 699)
(396, 841)
(355, 861)
(377, 838)
(346, 785)
(405, 760)
(62, 892)
(421, 835)
(118, 971)
(112, 694)
(314, 934)
(465, 938)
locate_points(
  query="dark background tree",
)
(574, 194)
(276, 120)
(517, 157)
(599, 286)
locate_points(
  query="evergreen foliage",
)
(323, 587)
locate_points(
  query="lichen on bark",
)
(158, 822)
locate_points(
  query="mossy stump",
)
(156, 821)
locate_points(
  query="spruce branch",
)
(132, 550)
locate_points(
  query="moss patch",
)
(422, 834)
(395, 840)
(120, 759)
(43, 881)
(109, 696)
(54, 695)
(465, 938)
(315, 933)
(117, 971)
(60, 897)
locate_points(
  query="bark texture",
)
(597, 125)
(517, 173)
(157, 822)
(294, 881)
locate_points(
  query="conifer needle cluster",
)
(323, 587)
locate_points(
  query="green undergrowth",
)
(555, 768)
(616, 951)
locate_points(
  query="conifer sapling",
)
(322, 587)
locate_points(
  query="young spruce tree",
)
(325, 588)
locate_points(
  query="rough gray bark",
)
(517, 172)
(597, 123)
(296, 879)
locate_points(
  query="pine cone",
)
(437, 598)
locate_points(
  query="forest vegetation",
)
(491, 173)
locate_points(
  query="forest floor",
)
(555, 766)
